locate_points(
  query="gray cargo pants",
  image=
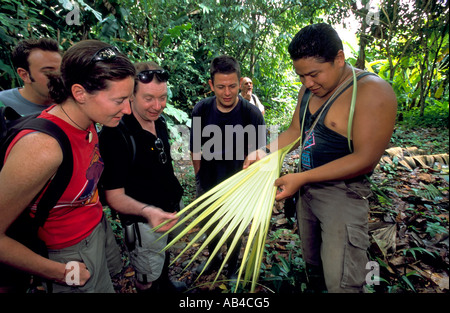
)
(333, 224)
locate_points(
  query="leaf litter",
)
(409, 237)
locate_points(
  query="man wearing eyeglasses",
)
(33, 59)
(138, 177)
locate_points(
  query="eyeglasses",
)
(147, 76)
(162, 155)
(105, 54)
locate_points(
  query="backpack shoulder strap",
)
(7, 114)
(61, 179)
(129, 139)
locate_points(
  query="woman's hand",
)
(75, 274)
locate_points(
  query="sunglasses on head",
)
(105, 54)
(147, 76)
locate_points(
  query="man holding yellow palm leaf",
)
(338, 151)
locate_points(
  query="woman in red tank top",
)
(94, 86)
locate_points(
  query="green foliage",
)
(432, 140)
(285, 271)
(436, 114)
(184, 36)
(19, 20)
(434, 228)
(280, 107)
(409, 47)
(63, 20)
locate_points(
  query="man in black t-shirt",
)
(225, 129)
(138, 178)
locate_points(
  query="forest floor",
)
(408, 223)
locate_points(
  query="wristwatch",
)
(265, 149)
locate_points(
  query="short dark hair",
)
(77, 67)
(23, 49)
(224, 64)
(319, 41)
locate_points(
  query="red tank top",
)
(79, 210)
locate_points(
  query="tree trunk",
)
(361, 61)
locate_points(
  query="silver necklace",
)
(89, 133)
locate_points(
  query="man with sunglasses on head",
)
(33, 59)
(139, 175)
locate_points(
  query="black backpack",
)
(24, 229)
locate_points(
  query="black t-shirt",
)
(225, 139)
(145, 178)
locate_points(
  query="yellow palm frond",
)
(244, 199)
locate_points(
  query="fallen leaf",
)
(385, 238)
(398, 260)
(282, 221)
(129, 272)
(441, 280)
(223, 287)
(425, 177)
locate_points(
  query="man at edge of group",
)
(33, 59)
(333, 208)
(224, 112)
(134, 182)
(247, 93)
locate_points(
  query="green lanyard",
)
(349, 130)
(350, 116)
(352, 110)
